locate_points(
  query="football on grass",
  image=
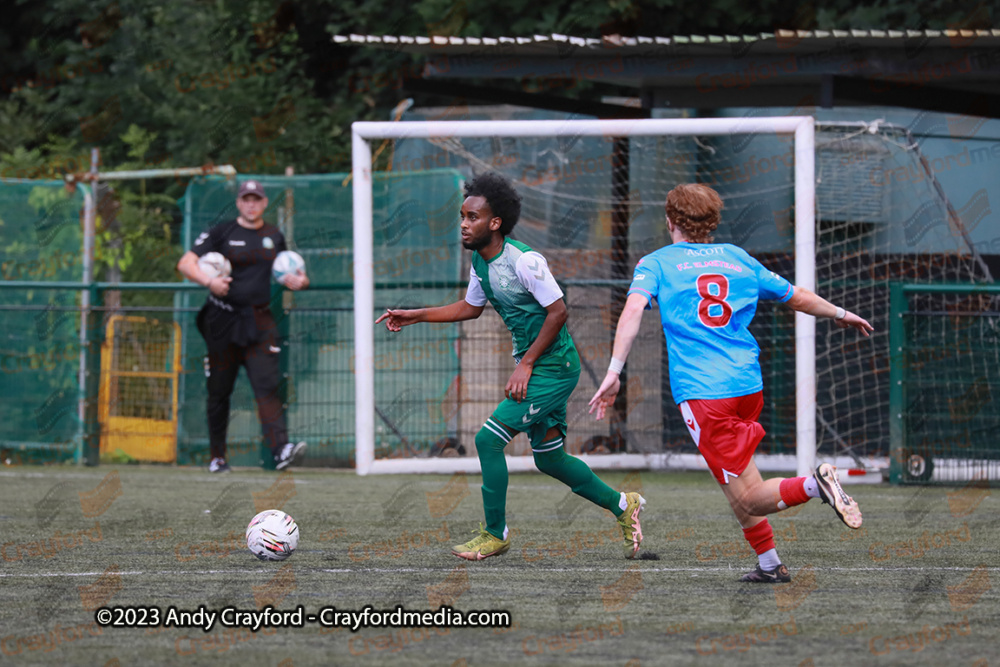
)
(215, 265)
(272, 535)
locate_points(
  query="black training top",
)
(251, 252)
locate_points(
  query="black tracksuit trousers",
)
(247, 338)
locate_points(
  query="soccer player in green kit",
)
(517, 282)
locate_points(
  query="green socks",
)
(490, 441)
(552, 459)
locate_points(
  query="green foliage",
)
(260, 85)
(139, 245)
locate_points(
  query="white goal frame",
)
(802, 128)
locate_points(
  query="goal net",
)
(818, 205)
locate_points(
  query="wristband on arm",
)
(841, 314)
(616, 366)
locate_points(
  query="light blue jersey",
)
(708, 293)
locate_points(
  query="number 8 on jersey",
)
(713, 310)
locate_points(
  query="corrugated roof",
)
(780, 39)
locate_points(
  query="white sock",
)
(506, 531)
(622, 503)
(769, 559)
(811, 487)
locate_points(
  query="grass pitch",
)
(918, 585)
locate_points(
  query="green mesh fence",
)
(39, 327)
(945, 372)
(439, 382)
(130, 399)
(416, 262)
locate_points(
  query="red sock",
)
(760, 537)
(793, 491)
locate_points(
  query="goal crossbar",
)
(802, 128)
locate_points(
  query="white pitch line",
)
(505, 572)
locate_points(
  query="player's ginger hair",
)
(696, 209)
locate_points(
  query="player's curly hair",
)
(696, 209)
(501, 196)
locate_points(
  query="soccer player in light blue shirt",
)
(707, 297)
(707, 294)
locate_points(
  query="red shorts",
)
(726, 431)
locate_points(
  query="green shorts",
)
(544, 407)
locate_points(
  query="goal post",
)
(800, 130)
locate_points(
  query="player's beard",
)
(477, 242)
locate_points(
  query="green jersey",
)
(518, 284)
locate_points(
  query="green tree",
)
(134, 241)
(261, 85)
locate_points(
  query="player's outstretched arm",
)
(454, 312)
(806, 301)
(628, 329)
